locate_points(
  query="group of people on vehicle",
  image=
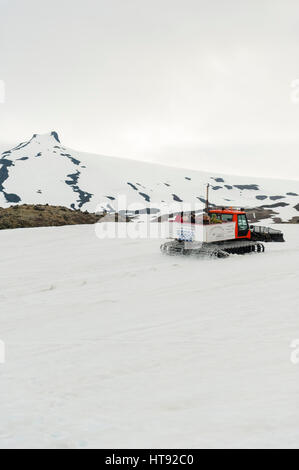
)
(207, 218)
(211, 219)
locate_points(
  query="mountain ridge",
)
(42, 170)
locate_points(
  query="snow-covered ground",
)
(111, 344)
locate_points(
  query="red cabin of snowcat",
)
(238, 216)
(227, 214)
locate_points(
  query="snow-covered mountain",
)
(42, 171)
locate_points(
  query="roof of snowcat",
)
(228, 210)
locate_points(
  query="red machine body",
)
(222, 215)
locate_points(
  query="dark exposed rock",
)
(145, 196)
(251, 187)
(258, 213)
(132, 186)
(14, 198)
(84, 196)
(277, 204)
(275, 198)
(219, 180)
(73, 160)
(177, 198)
(147, 210)
(55, 135)
(204, 201)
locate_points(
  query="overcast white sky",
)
(200, 84)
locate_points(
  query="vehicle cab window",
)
(242, 225)
(227, 217)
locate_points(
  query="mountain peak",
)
(53, 134)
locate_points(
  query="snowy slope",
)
(42, 170)
(111, 344)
